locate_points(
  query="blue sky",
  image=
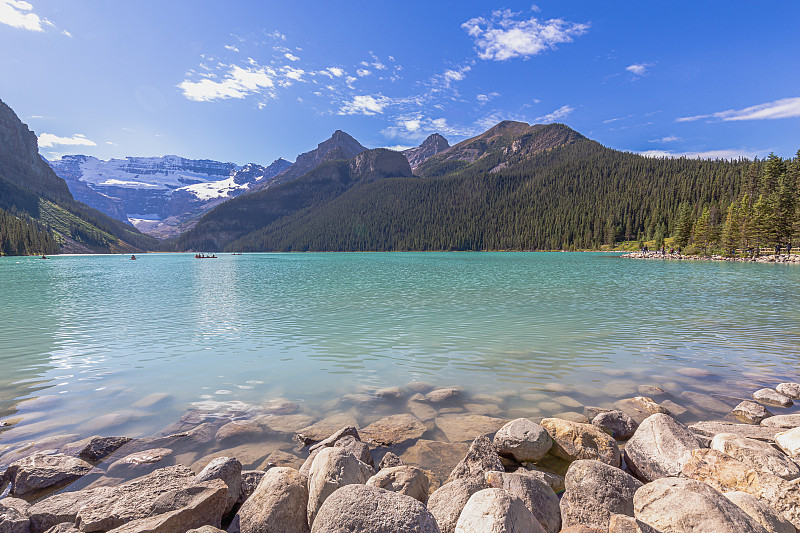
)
(254, 81)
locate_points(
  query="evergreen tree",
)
(684, 225)
(702, 231)
(732, 235)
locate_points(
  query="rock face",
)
(750, 412)
(791, 390)
(394, 429)
(480, 458)
(772, 397)
(595, 491)
(537, 496)
(447, 502)
(673, 505)
(523, 440)
(434, 144)
(616, 423)
(380, 163)
(41, 471)
(725, 473)
(332, 469)
(756, 454)
(279, 504)
(407, 480)
(657, 447)
(789, 441)
(229, 470)
(496, 511)
(573, 441)
(762, 513)
(365, 508)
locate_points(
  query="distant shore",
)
(783, 258)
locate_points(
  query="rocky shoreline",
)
(782, 258)
(631, 468)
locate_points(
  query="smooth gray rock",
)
(756, 454)
(404, 479)
(332, 469)
(616, 423)
(481, 457)
(791, 390)
(443, 394)
(447, 502)
(595, 491)
(496, 511)
(229, 470)
(782, 421)
(278, 505)
(772, 397)
(523, 440)
(675, 505)
(750, 412)
(537, 496)
(370, 509)
(769, 518)
(42, 471)
(555, 481)
(657, 447)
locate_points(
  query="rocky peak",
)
(434, 144)
(380, 163)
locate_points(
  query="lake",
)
(105, 345)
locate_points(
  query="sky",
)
(253, 81)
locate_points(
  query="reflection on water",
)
(86, 339)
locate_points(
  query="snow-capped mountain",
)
(158, 194)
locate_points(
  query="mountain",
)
(514, 187)
(505, 143)
(431, 146)
(40, 202)
(248, 214)
(339, 146)
(159, 195)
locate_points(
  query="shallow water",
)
(83, 339)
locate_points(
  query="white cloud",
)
(19, 14)
(503, 37)
(48, 140)
(483, 98)
(292, 73)
(291, 57)
(784, 108)
(556, 115)
(638, 69)
(365, 105)
(399, 147)
(237, 83)
(363, 72)
(610, 120)
(231, 48)
(412, 125)
(456, 75)
(709, 154)
(336, 71)
(668, 139)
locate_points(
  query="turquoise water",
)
(87, 337)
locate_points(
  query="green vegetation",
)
(21, 235)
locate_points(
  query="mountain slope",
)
(431, 146)
(32, 192)
(249, 213)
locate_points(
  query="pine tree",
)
(684, 225)
(731, 234)
(702, 231)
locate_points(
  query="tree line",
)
(21, 235)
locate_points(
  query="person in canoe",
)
(45, 257)
(133, 258)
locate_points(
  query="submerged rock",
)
(772, 397)
(750, 412)
(443, 394)
(138, 463)
(464, 428)
(709, 429)
(394, 429)
(99, 448)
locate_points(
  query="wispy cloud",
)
(483, 98)
(708, 154)
(20, 14)
(238, 82)
(48, 140)
(291, 57)
(667, 139)
(638, 69)
(558, 114)
(784, 108)
(616, 119)
(503, 36)
(231, 47)
(365, 105)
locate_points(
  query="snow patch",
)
(214, 189)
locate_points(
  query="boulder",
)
(324, 428)
(195, 506)
(674, 505)
(674, 408)
(138, 463)
(790, 390)
(366, 508)
(523, 440)
(279, 504)
(443, 394)
(750, 412)
(656, 449)
(573, 441)
(537, 496)
(447, 502)
(229, 470)
(250, 480)
(408, 480)
(356, 447)
(393, 430)
(555, 481)
(465, 427)
(496, 511)
(333, 468)
(595, 491)
(725, 474)
(41, 471)
(389, 460)
(616, 423)
(782, 421)
(772, 397)
(769, 518)
(620, 523)
(206, 529)
(347, 431)
(481, 457)
(789, 441)
(14, 516)
(709, 429)
(756, 454)
(419, 407)
(239, 431)
(280, 458)
(639, 407)
(98, 448)
(61, 508)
